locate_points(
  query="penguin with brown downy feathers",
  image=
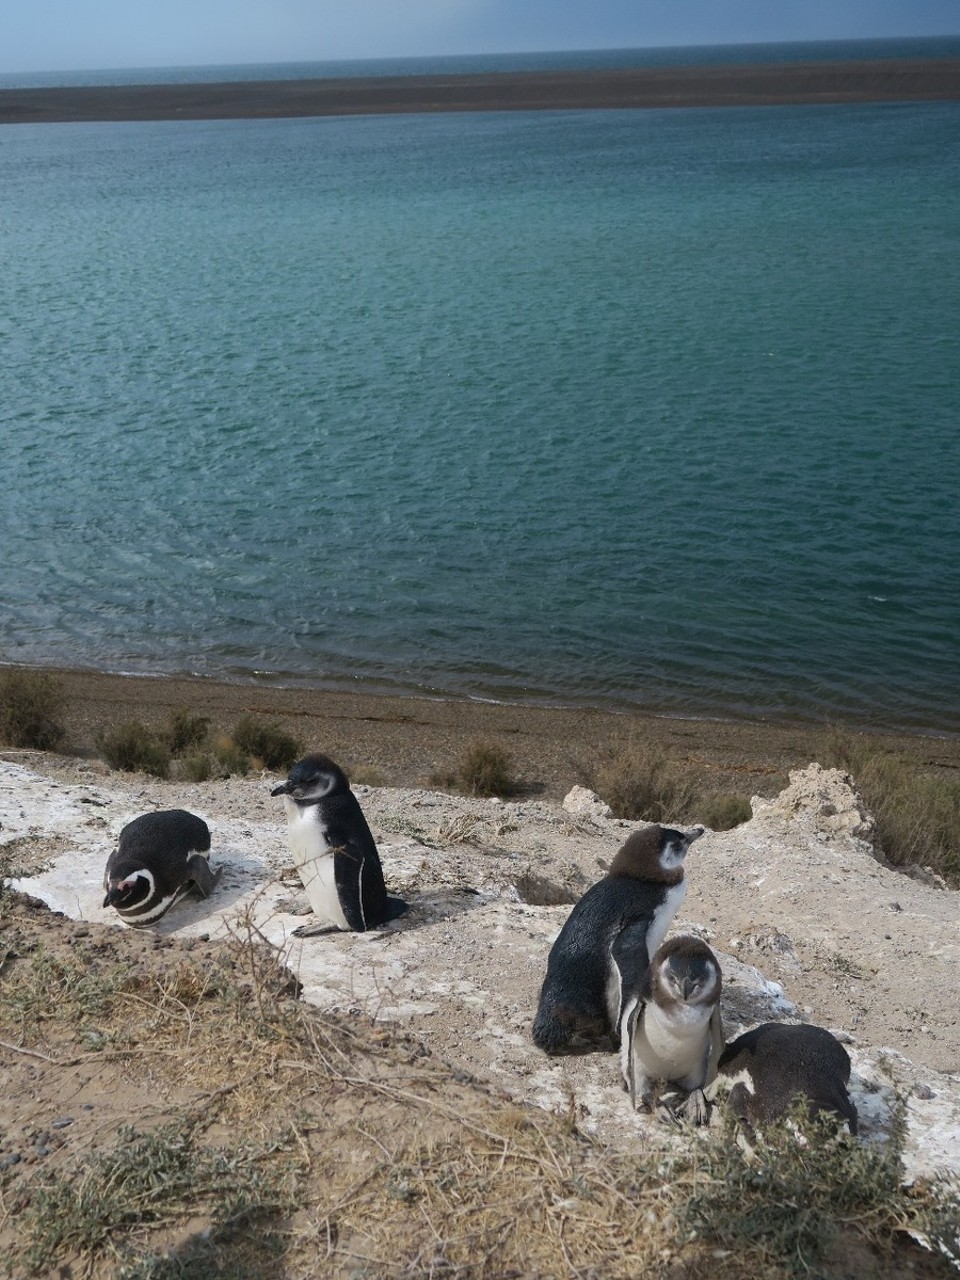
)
(603, 951)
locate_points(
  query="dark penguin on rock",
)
(333, 849)
(764, 1070)
(672, 1031)
(158, 859)
(602, 954)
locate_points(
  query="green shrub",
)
(267, 742)
(230, 759)
(134, 748)
(185, 731)
(722, 810)
(31, 708)
(641, 783)
(917, 814)
(197, 767)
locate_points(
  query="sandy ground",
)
(806, 923)
(821, 82)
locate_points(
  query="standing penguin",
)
(672, 1030)
(603, 950)
(158, 859)
(334, 851)
(764, 1070)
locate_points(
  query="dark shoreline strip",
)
(893, 80)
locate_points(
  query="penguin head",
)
(127, 890)
(313, 778)
(655, 853)
(685, 971)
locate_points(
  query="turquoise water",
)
(638, 408)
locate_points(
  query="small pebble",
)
(9, 1161)
(923, 1092)
(62, 1124)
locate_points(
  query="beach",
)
(408, 740)
(890, 80)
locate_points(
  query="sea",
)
(631, 409)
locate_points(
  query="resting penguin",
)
(672, 1030)
(764, 1070)
(604, 948)
(334, 851)
(158, 859)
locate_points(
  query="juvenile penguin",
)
(628, 911)
(764, 1070)
(158, 859)
(334, 851)
(672, 1030)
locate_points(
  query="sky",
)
(55, 35)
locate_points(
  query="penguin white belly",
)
(673, 1048)
(314, 861)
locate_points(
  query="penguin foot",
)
(314, 930)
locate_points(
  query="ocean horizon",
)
(624, 409)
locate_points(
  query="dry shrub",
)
(917, 814)
(641, 783)
(723, 810)
(133, 748)
(185, 731)
(31, 710)
(266, 742)
(484, 769)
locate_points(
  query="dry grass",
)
(266, 743)
(917, 814)
(133, 748)
(31, 710)
(284, 1142)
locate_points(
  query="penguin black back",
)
(765, 1069)
(158, 859)
(631, 907)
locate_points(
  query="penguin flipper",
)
(359, 879)
(204, 880)
(628, 953)
(715, 1048)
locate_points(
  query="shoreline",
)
(887, 80)
(407, 739)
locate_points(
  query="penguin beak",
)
(284, 789)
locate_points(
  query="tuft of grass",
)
(133, 748)
(365, 775)
(185, 731)
(916, 813)
(722, 810)
(199, 766)
(31, 710)
(142, 1179)
(641, 783)
(229, 759)
(266, 742)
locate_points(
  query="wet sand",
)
(408, 739)
(890, 80)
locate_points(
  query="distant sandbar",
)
(892, 80)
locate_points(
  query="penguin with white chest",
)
(763, 1071)
(159, 859)
(672, 1029)
(605, 947)
(334, 850)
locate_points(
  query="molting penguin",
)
(603, 950)
(158, 859)
(334, 851)
(764, 1070)
(672, 1031)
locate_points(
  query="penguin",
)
(603, 950)
(672, 1029)
(334, 851)
(764, 1070)
(158, 859)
